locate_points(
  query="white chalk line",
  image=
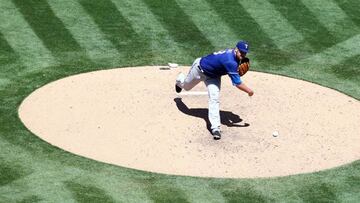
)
(193, 93)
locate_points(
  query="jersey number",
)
(219, 52)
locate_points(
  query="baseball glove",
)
(244, 66)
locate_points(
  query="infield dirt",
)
(132, 117)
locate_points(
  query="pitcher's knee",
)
(214, 96)
(214, 100)
(187, 87)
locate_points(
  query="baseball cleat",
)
(180, 79)
(216, 135)
(177, 88)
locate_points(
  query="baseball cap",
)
(243, 46)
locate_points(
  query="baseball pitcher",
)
(210, 68)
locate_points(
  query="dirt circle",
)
(133, 118)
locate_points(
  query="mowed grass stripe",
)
(88, 193)
(117, 29)
(161, 190)
(8, 60)
(20, 36)
(199, 190)
(272, 22)
(43, 175)
(41, 18)
(333, 55)
(59, 40)
(347, 69)
(146, 25)
(4, 82)
(243, 190)
(351, 8)
(126, 190)
(320, 67)
(240, 21)
(332, 17)
(211, 26)
(19, 170)
(7, 53)
(306, 23)
(45, 187)
(180, 26)
(83, 29)
(46, 184)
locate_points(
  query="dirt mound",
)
(132, 117)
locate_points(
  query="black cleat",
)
(178, 89)
(216, 135)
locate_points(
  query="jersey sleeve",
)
(235, 79)
(231, 69)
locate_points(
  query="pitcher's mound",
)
(132, 117)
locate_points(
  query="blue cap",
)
(243, 46)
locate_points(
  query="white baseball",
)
(275, 133)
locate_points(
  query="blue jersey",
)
(221, 63)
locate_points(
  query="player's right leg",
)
(191, 80)
(179, 82)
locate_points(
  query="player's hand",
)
(251, 93)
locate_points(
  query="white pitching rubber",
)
(173, 65)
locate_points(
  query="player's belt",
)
(200, 69)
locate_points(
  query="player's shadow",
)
(226, 117)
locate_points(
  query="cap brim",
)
(244, 50)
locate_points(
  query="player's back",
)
(214, 64)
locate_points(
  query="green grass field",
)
(44, 40)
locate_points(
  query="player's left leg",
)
(213, 85)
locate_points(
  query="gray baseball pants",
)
(194, 77)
